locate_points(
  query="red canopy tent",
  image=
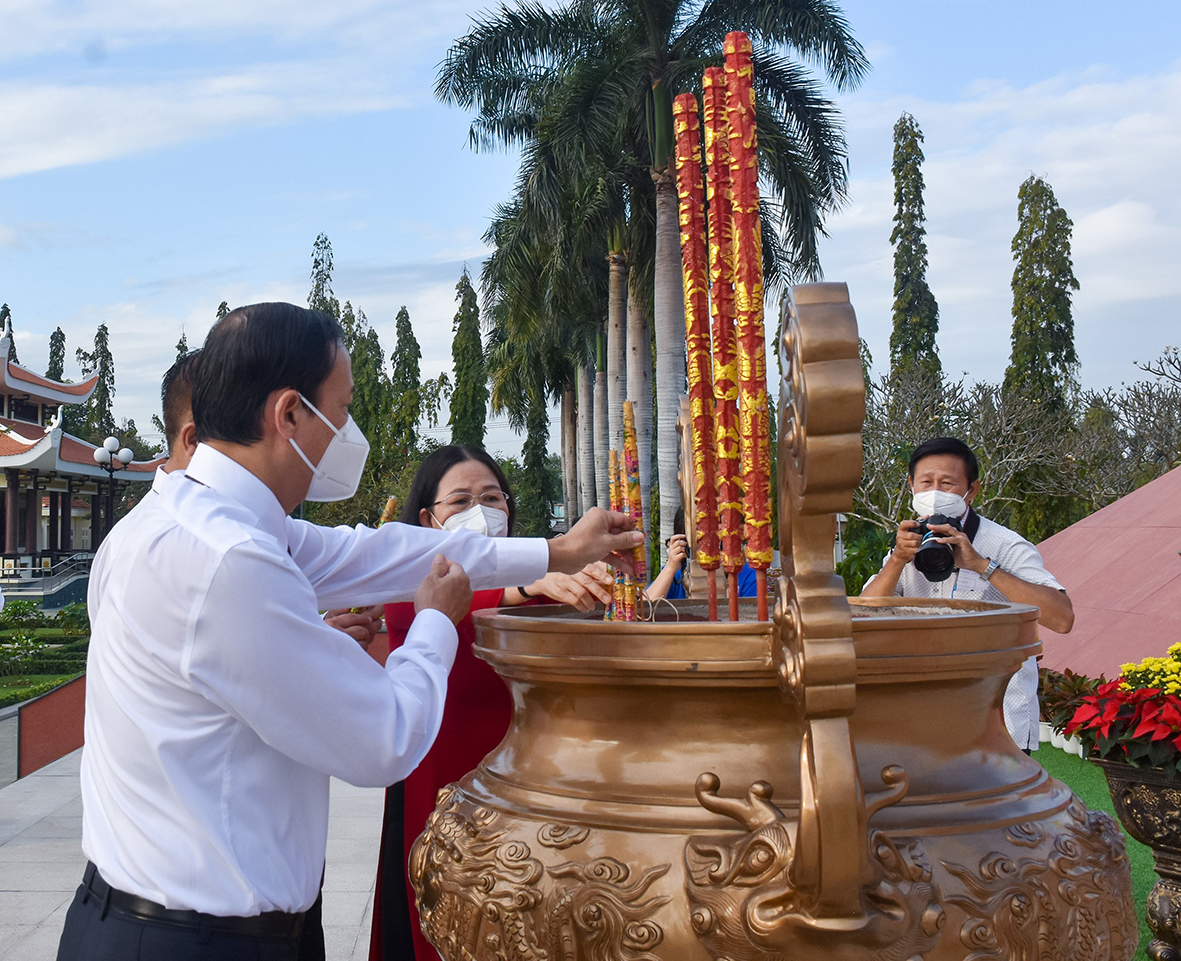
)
(1122, 569)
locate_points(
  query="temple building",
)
(54, 509)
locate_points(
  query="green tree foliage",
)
(406, 382)
(57, 355)
(182, 347)
(469, 399)
(916, 315)
(536, 485)
(321, 297)
(222, 309)
(587, 82)
(95, 420)
(1043, 358)
(129, 434)
(6, 321)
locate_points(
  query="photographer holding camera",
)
(951, 551)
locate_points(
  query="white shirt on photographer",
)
(218, 703)
(1014, 555)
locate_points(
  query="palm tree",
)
(544, 296)
(596, 78)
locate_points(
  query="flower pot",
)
(1057, 740)
(1045, 732)
(1148, 804)
(656, 799)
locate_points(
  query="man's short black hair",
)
(176, 396)
(946, 445)
(251, 352)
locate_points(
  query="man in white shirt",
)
(218, 702)
(991, 563)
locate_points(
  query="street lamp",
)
(111, 458)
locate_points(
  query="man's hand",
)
(964, 553)
(361, 626)
(593, 583)
(906, 543)
(446, 589)
(600, 536)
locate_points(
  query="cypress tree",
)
(6, 321)
(99, 418)
(1043, 359)
(222, 309)
(57, 355)
(406, 385)
(469, 400)
(372, 393)
(182, 346)
(320, 296)
(916, 315)
(532, 494)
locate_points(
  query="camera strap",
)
(972, 525)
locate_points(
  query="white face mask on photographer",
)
(338, 474)
(490, 521)
(926, 503)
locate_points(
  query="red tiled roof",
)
(24, 428)
(77, 451)
(75, 504)
(18, 372)
(1122, 570)
(9, 445)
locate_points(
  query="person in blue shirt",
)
(669, 582)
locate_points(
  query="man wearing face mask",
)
(991, 563)
(218, 702)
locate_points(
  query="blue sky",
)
(159, 156)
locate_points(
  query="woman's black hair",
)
(251, 352)
(424, 490)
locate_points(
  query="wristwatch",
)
(992, 567)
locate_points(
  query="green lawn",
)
(9, 684)
(1088, 782)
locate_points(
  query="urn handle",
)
(797, 888)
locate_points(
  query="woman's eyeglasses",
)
(461, 502)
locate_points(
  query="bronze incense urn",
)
(835, 784)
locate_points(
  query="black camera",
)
(935, 561)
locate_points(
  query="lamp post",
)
(111, 458)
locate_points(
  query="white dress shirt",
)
(218, 703)
(1014, 555)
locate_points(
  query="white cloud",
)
(43, 126)
(1110, 148)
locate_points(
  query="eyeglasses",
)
(461, 502)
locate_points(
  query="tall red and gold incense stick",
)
(696, 278)
(631, 459)
(615, 501)
(628, 599)
(753, 418)
(721, 274)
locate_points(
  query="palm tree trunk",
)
(616, 348)
(569, 454)
(669, 303)
(602, 445)
(639, 391)
(586, 440)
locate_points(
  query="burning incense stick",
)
(695, 273)
(721, 273)
(753, 419)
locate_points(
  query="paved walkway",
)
(41, 863)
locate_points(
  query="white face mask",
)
(926, 503)
(490, 521)
(339, 472)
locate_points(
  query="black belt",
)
(274, 924)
